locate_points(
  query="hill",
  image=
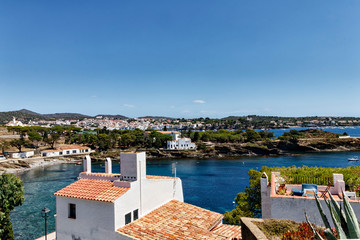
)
(112, 116)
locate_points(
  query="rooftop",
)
(178, 220)
(97, 190)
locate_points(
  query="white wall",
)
(94, 219)
(157, 192)
(23, 154)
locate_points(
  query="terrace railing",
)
(296, 179)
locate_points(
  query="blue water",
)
(211, 184)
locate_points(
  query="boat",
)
(355, 158)
(78, 163)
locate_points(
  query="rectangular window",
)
(60, 153)
(136, 214)
(128, 218)
(74, 151)
(72, 211)
(67, 152)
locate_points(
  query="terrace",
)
(286, 197)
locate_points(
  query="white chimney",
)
(108, 165)
(87, 164)
(133, 166)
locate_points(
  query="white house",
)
(132, 205)
(181, 144)
(15, 123)
(23, 154)
(65, 150)
(178, 143)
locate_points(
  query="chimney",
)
(133, 166)
(87, 164)
(108, 166)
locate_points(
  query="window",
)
(72, 211)
(128, 218)
(60, 153)
(136, 214)
(67, 152)
(74, 151)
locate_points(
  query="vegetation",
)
(344, 219)
(309, 133)
(11, 195)
(273, 228)
(304, 232)
(225, 136)
(249, 202)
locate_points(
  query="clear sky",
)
(187, 58)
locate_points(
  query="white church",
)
(132, 205)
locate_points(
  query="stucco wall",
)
(294, 208)
(93, 219)
(157, 192)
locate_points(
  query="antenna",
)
(173, 168)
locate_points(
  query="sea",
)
(212, 183)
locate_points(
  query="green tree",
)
(252, 135)
(54, 137)
(34, 137)
(11, 195)
(248, 202)
(4, 145)
(19, 143)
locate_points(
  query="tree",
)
(248, 202)
(4, 145)
(34, 137)
(19, 143)
(11, 195)
(54, 137)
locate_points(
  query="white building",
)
(181, 144)
(178, 143)
(23, 154)
(132, 205)
(15, 123)
(65, 150)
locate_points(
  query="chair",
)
(350, 195)
(326, 190)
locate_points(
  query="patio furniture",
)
(350, 195)
(305, 187)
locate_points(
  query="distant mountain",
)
(157, 117)
(23, 115)
(25, 111)
(26, 115)
(112, 116)
(66, 115)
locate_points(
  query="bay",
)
(211, 184)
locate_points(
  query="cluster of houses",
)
(132, 205)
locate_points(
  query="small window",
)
(67, 152)
(72, 211)
(60, 153)
(128, 218)
(136, 214)
(74, 151)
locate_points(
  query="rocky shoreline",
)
(218, 151)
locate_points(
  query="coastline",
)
(16, 166)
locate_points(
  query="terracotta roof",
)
(97, 190)
(175, 220)
(230, 231)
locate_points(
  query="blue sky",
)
(181, 58)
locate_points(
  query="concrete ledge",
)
(250, 231)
